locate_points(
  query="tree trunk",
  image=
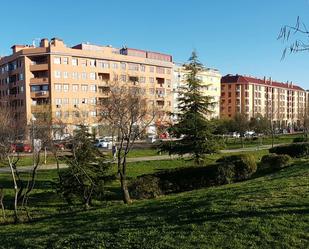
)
(1, 203)
(125, 192)
(15, 192)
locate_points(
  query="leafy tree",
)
(87, 171)
(260, 124)
(240, 124)
(192, 127)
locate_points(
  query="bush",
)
(301, 140)
(228, 169)
(274, 162)
(293, 150)
(243, 165)
(145, 187)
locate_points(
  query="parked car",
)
(102, 143)
(21, 147)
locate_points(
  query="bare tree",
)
(127, 111)
(298, 35)
(8, 136)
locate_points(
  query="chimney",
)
(270, 81)
(17, 48)
(44, 43)
(264, 80)
(56, 42)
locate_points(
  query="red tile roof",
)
(247, 79)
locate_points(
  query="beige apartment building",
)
(211, 86)
(282, 103)
(67, 83)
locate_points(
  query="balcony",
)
(40, 94)
(40, 108)
(39, 80)
(39, 67)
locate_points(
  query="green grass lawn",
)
(266, 212)
(235, 143)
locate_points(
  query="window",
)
(93, 88)
(115, 65)
(58, 114)
(84, 88)
(103, 64)
(142, 79)
(58, 101)
(57, 74)
(84, 101)
(65, 75)
(91, 63)
(93, 101)
(160, 70)
(65, 101)
(65, 87)
(93, 113)
(65, 60)
(168, 71)
(151, 80)
(143, 68)
(58, 87)
(133, 66)
(75, 88)
(75, 101)
(151, 69)
(123, 66)
(66, 114)
(84, 76)
(74, 62)
(75, 75)
(57, 60)
(21, 76)
(92, 76)
(83, 62)
(123, 78)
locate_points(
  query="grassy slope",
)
(266, 212)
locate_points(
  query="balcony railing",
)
(39, 80)
(39, 67)
(40, 94)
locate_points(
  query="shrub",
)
(228, 169)
(301, 140)
(225, 174)
(293, 150)
(243, 165)
(145, 187)
(273, 162)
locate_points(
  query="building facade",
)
(67, 83)
(282, 103)
(211, 86)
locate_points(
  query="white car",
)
(101, 143)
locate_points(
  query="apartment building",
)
(66, 83)
(211, 86)
(283, 103)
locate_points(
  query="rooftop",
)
(265, 81)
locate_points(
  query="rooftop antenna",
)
(34, 42)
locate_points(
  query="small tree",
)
(261, 125)
(8, 136)
(129, 115)
(87, 171)
(240, 124)
(193, 127)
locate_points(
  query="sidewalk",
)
(136, 159)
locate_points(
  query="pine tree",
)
(193, 127)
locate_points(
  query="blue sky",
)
(236, 36)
